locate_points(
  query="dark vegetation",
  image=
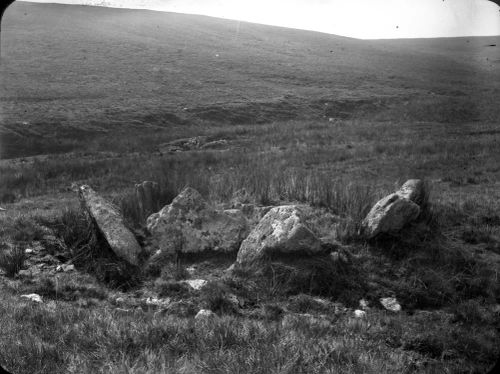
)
(337, 131)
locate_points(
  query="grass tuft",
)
(12, 259)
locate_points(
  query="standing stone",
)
(282, 230)
(147, 195)
(109, 222)
(389, 215)
(189, 225)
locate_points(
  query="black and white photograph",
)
(250, 186)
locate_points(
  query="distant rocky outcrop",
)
(395, 211)
(190, 144)
(282, 230)
(110, 223)
(190, 225)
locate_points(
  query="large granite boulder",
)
(110, 223)
(189, 225)
(395, 211)
(281, 231)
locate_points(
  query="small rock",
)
(65, 268)
(390, 303)
(191, 269)
(119, 300)
(359, 313)
(196, 284)
(28, 251)
(363, 304)
(33, 297)
(157, 302)
(205, 314)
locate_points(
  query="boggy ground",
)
(301, 126)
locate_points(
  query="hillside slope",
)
(68, 69)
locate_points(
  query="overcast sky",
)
(366, 19)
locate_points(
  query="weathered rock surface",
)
(389, 215)
(109, 221)
(190, 225)
(33, 297)
(205, 314)
(391, 304)
(281, 231)
(396, 210)
(414, 190)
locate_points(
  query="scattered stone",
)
(389, 215)
(157, 302)
(190, 225)
(282, 230)
(110, 223)
(33, 297)
(196, 284)
(359, 313)
(391, 304)
(147, 195)
(65, 268)
(205, 314)
(48, 260)
(363, 304)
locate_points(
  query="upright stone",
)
(281, 231)
(109, 222)
(189, 225)
(389, 215)
(148, 198)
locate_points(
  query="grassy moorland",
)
(307, 117)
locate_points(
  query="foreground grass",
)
(60, 338)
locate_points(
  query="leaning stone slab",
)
(281, 231)
(109, 222)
